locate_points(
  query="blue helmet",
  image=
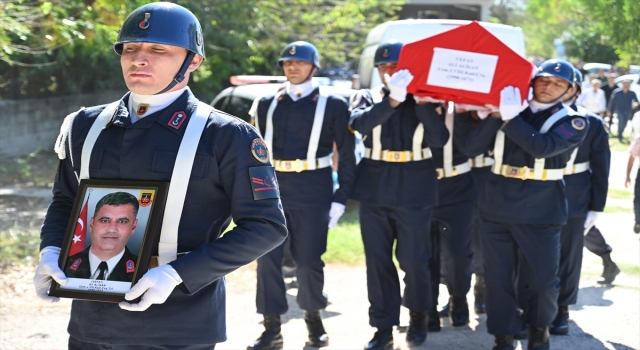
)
(557, 68)
(579, 78)
(301, 51)
(387, 52)
(162, 23)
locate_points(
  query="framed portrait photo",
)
(110, 238)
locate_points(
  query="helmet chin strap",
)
(180, 76)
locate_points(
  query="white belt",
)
(455, 170)
(299, 165)
(526, 173)
(481, 161)
(577, 168)
(399, 156)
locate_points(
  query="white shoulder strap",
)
(498, 152)
(316, 129)
(553, 119)
(101, 121)
(447, 164)
(168, 246)
(268, 128)
(376, 133)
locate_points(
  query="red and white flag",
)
(80, 233)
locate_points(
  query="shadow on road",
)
(592, 296)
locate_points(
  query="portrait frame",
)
(125, 234)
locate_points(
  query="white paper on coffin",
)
(89, 285)
(462, 70)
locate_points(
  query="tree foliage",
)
(241, 37)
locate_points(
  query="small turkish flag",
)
(80, 233)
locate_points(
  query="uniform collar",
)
(536, 106)
(94, 262)
(299, 91)
(141, 106)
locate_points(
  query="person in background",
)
(593, 100)
(634, 153)
(623, 101)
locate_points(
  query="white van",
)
(409, 30)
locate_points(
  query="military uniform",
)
(524, 207)
(452, 219)
(306, 194)
(77, 266)
(396, 185)
(220, 186)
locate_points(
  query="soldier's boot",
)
(538, 338)
(417, 332)
(504, 342)
(271, 338)
(458, 311)
(610, 270)
(560, 325)
(317, 335)
(382, 340)
(434, 324)
(479, 305)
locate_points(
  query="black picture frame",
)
(78, 257)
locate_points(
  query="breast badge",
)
(259, 151)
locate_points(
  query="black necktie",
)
(103, 270)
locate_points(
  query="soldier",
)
(300, 123)
(396, 186)
(140, 137)
(452, 221)
(527, 205)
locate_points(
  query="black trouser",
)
(308, 234)
(380, 226)
(571, 245)
(451, 228)
(595, 242)
(539, 245)
(478, 260)
(75, 344)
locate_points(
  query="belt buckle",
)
(286, 165)
(516, 172)
(299, 163)
(399, 156)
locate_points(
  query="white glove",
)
(47, 271)
(156, 285)
(426, 99)
(335, 213)
(592, 216)
(511, 103)
(397, 84)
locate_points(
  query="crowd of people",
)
(506, 192)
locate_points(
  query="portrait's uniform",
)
(396, 185)
(452, 219)
(306, 193)
(220, 187)
(78, 266)
(523, 207)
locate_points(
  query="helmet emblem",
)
(557, 69)
(385, 54)
(292, 51)
(199, 38)
(145, 22)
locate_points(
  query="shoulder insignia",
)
(65, 135)
(578, 123)
(264, 184)
(259, 151)
(177, 119)
(131, 267)
(76, 264)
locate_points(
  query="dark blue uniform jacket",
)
(219, 188)
(588, 190)
(292, 123)
(461, 187)
(529, 201)
(410, 184)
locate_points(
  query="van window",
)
(238, 106)
(218, 105)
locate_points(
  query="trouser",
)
(287, 259)
(380, 226)
(539, 245)
(451, 228)
(478, 260)
(636, 198)
(308, 230)
(595, 242)
(622, 123)
(571, 245)
(75, 344)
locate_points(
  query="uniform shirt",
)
(529, 201)
(219, 187)
(593, 101)
(461, 187)
(588, 190)
(410, 184)
(292, 123)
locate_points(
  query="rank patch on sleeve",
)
(578, 123)
(177, 119)
(264, 184)
(259, 151)
(565, 131)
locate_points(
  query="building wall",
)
(26, 125)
